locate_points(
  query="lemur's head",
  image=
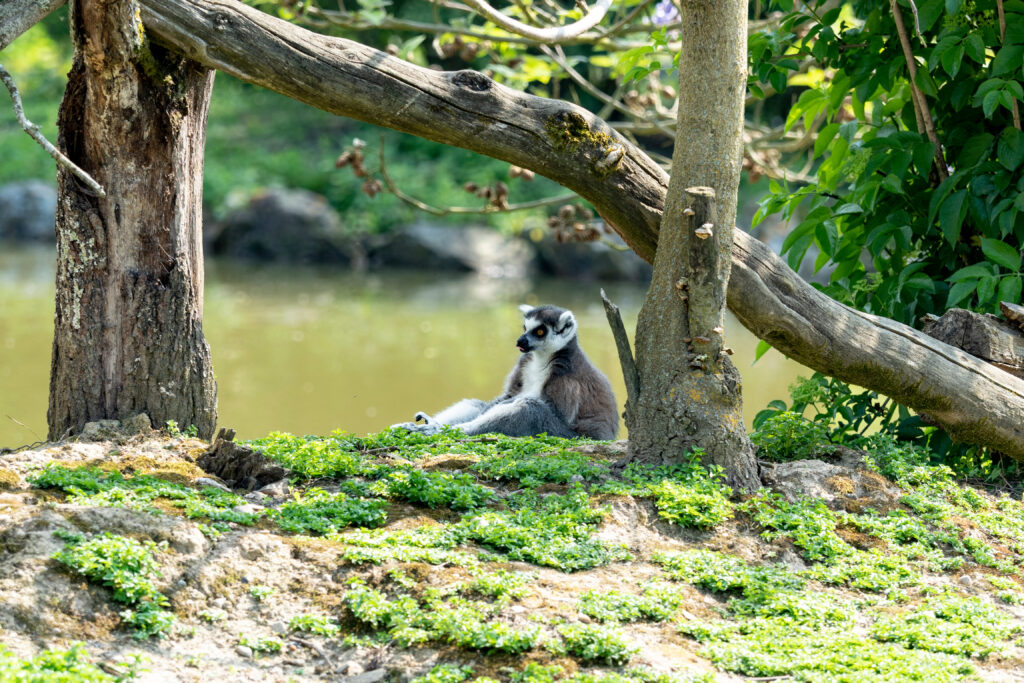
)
(546, 329)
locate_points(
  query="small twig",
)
(629, 371)
(33, 131)
(393, 188)
(917, 20)
(316, 648)
(924, 116)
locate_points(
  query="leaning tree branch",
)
(18, 16)
(33, 131)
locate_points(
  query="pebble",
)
(207, 481)
(244, 651)
(278, 627)
(278, 489)
(248, 508)
(256, 497)
(965, 580)
(368, 677)
(352, 668)
(576, 479)
(219, 603)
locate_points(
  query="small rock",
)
(368, 677)
(256, 497)
(965, 580)
(244, 651)
(181, 583)
(136, 424)
(101, 430)
(279, 489)
(576, 479)
(279, 627)
(219, 603)
(248, 508)
(352, 668)
(207, 481)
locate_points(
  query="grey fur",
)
(574, 399)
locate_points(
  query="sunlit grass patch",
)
(323, 513)
(129, 569)
(657, 602)
(72, 665)
(962, 626)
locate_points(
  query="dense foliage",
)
(916, 205)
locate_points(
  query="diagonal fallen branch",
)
(33, 131)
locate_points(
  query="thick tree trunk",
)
(128, 332)
(690, 396)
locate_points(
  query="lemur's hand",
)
(429, 426)
(429, 429)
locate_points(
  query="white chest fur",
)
(535, 375)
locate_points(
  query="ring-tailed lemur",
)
(553, 389)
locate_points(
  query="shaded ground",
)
(511, 560)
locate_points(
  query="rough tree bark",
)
(128, 332)
(691, 397)
(971, 400)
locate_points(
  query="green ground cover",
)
(889, 609)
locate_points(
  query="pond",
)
(309, 350)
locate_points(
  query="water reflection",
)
(309, 350)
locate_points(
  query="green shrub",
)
(315, 623)
(128, 567)
(325, 513)
(596, 643)
(786, 436)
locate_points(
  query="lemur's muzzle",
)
(523, 343)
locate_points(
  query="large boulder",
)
(27, 211)
(438, 247)
(287, 225)
(608, 259)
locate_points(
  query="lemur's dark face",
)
(546, 329)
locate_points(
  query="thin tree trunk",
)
(691, 397)
(128, 332)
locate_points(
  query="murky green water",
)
(310, 350)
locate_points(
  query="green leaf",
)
(952, 59)
(762, 348)
(825, 136)
(975, 149)
(978, 270)
(848, 209)
(828, 237)
(974, 46)
(1011, 148)
(986, 289)
(1001, 253)
(951, 215)
(989, 104)
(1010, 289)
(953, 6)
(960, 291)
(1008, 60)
(924, 152)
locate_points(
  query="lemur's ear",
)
(566, 322)
(525, 308)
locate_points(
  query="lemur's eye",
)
(539, 331)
